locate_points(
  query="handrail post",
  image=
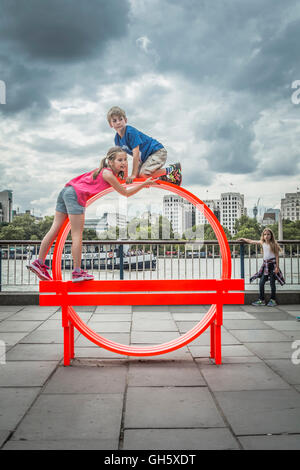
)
(121, 254)
(242, 260)
(0, 268)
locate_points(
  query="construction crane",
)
(255, 209)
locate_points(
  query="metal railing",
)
(146, 259)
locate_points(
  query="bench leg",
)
(218, 353)
(67, 345)
(72, 354)
(212, 340)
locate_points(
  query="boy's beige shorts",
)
(154, 162)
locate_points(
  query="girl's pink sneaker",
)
(78, 276)
(41, 270)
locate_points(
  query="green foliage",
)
(26, 227)
(247, 228)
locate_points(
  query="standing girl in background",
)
(71, 203)
(270, 267)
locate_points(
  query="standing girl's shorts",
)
(67, 202)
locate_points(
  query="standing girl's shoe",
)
(71, 203)
(40, 269)
(79, 275)
(269, 270)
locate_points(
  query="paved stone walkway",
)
(178, 401)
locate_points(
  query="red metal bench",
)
(142, 292)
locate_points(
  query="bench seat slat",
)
(141, 299)
(142, 285)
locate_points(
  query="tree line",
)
(26, 227)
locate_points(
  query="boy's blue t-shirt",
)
(132, 138)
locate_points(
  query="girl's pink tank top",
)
(85, 186)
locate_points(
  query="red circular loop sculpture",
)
(177, 342)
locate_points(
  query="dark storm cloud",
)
(230, 146)
(46, 46)
(219, 40)
(58, 30)
(275, 64)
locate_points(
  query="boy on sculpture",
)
(149, 155)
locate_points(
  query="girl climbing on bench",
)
(71, 203)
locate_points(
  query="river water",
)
(15, 276)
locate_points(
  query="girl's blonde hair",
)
(273, 243)
(110, 156)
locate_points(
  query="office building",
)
(6, 202)
(290, 206)
(232, 208)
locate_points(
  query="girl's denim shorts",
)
(67, 202)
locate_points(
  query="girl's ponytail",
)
(103, 164)
(111, 155)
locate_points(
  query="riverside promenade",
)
(179, 401)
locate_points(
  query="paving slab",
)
(64, 444)
(10, 339)
(261, 411)
(100, 378)
(181, 354)
(122, 338)
(241, 324)
(87, 416)
(153, 325)
(286, 369)
(9, 326)
(96, 352)
(39, 315)
(152, 316)
(284, 325)
(5, 315)
(25, 373)
(176, 373)
(113, 317)
(193, 317)
(183, 439)
(171, 407)
(114, 309)
(238, 316)
(4, 435)
(282, 442)
(110, 326)
(44, 337)
(243, 377)
(14, 403)
(236, 350)
(35, 352)
(153, 337)
(267, 350)
(246, 336)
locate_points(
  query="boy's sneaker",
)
(272, 303)
(41, 270)
(78, 276)
(259, 303)
(174, 177)
(173, 166)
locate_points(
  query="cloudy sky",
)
(211, 80)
